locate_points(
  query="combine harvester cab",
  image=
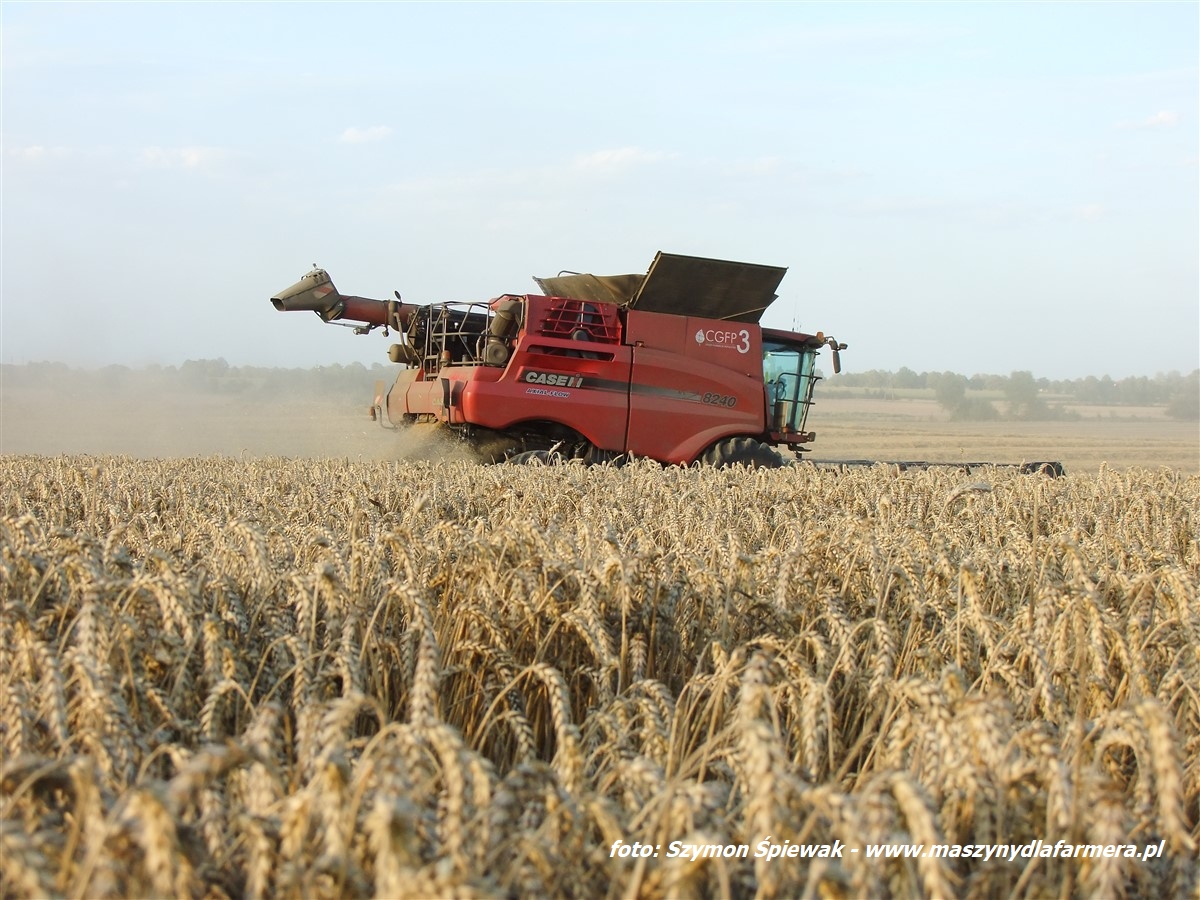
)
(671, 365)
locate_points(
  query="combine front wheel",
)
(742, 451)
(536, 457)
(1052, 469)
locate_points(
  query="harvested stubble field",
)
(269, 677)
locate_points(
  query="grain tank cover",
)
(618, 289)
(709, 288)
(681, 286)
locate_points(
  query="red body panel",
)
(694, 381)
(591, 396)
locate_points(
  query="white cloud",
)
(462, 183)
(37, 153)
(355, 135)
(1166, 118)
(620, 157)
(194, 158)
(1091, 211)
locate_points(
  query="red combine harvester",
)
(671, 365)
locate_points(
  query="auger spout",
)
(315, 292)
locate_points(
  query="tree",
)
(949, 388)
(1185, 402)
(1023, 402)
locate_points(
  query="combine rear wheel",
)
(742, 451)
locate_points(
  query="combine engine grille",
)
(581, 320)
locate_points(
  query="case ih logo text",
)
(552, 379)
(714, 337)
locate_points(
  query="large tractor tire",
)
(742, 451)
(536, 458)
(1051, 469)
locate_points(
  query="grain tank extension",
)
(672, 365)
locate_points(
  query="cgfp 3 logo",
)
(716, 337)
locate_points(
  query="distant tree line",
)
(1026, 397)
(975, 398)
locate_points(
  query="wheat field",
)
(263, 677)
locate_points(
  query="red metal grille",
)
(566, 318)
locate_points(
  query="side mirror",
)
(835, 347)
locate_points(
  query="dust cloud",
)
(77, 413)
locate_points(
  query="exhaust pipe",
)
(315, 292)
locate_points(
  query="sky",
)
(968, 187)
